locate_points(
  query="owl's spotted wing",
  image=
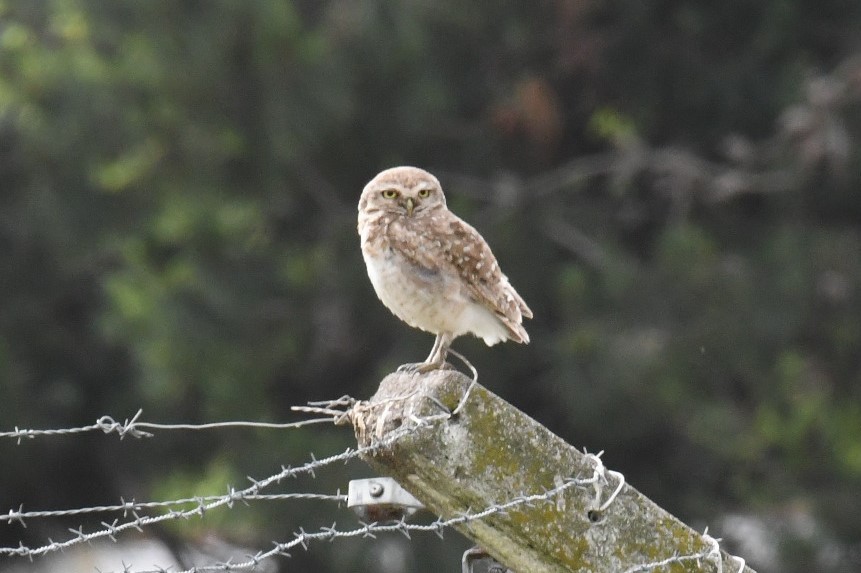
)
(457, 246)
(485, 282)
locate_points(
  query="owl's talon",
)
(409, 368)
(423, 367)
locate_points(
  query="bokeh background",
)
(673, 186)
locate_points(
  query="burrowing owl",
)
(430, 268)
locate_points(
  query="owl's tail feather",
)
(518, 333)
(512, 317)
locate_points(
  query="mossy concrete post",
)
(491, 453)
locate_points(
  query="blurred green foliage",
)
(177, 223)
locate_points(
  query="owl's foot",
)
(423, 367)
(435, 360)
(410, 368)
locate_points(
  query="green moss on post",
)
(491, 453)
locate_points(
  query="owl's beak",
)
(410, 206)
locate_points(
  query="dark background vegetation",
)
(673, 186)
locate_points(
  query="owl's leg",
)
(436, 358)
(435, 349)
(440, 350)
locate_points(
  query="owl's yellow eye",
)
(423, 193)
(390, 194)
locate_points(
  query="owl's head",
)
(403, 190)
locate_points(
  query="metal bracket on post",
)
(477, 560)
(380, 499)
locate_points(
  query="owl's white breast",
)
(432, 301)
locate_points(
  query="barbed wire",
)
(111, 530)
(135, 428)
(201, 504)
(126, 507)
(712, 553)
(302, 537)
(337, 411)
